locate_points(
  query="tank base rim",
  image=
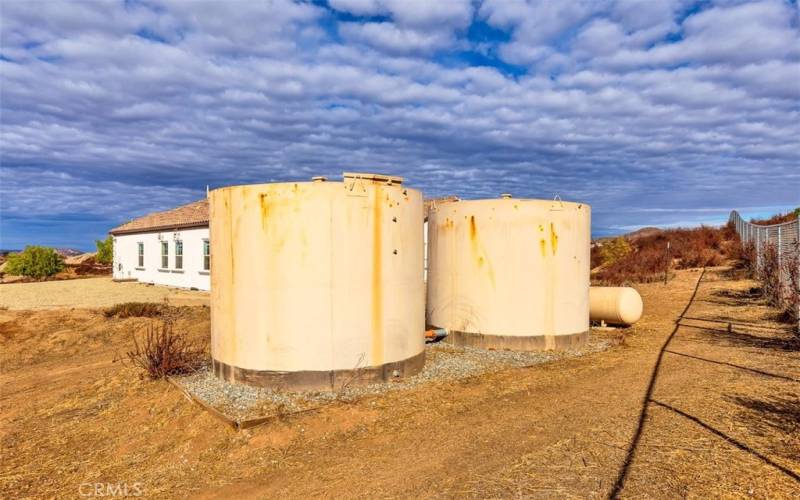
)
(320, 380)
(517, 343)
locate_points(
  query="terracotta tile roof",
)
(192, 215)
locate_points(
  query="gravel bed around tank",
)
(444, 362)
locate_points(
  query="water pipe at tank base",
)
(435, 334)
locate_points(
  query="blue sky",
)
(659, 113)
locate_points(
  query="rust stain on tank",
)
(553, 238)
(478, 251)
(473, 230)
(264, 204)
(543, 247)
(377, 283)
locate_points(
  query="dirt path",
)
(722, 420)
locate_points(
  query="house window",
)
(141, 253)
(164, 255)
(178, 254)
(206, 255)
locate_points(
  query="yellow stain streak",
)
(553, 238)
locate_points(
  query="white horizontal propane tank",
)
(616, 305)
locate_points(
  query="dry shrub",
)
(162, 351)
(700, 257)
(698, 247)
(791, 296)
(595, 256)
(615, 250)
(640, 266)
(135, 310)
(778, 219)
(744, 256)
(770, 276)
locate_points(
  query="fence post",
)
(780, 261)
(758, 247)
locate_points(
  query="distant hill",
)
(644, 232)
(68, 252)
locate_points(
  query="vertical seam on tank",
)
(331, 279)
(454, 276)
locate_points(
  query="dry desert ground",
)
(721, 419)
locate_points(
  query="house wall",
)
(191, 276)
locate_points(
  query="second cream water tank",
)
(509, 273)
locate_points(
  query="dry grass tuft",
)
(162, 352)
(135, 310)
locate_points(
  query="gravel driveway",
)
(91, 292)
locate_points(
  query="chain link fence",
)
(784, 238)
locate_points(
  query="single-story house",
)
(165, 248)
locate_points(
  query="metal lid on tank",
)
(382, 178)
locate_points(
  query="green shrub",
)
(105, 251)
(35, 262)
(614, 250)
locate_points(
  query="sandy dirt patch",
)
(91, 292)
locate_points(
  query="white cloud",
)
(599, 38)
(388, 37)
(609, 111)
(412, 13)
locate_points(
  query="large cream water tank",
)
(317, 284)
(509, 273)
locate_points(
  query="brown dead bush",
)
(778, 219)
(640, 266)
(162, 351)
(769, 274)
(699, 247)
(791, 296)
(135, 310)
